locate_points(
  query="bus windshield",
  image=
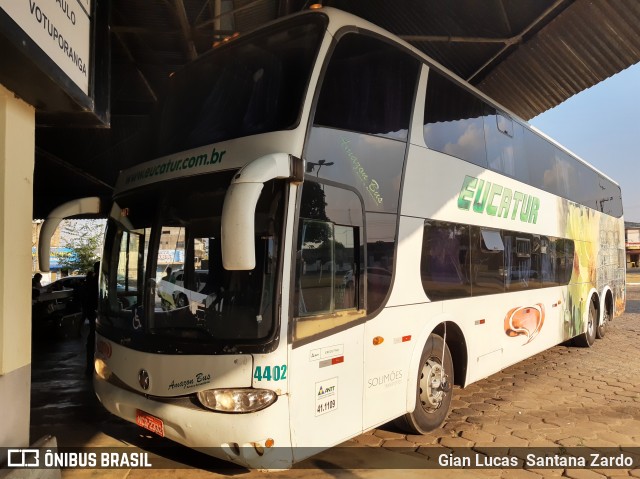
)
(164, 285)
(218, 97)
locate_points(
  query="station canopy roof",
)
(529, 55)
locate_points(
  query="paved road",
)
(563, 397)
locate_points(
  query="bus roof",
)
(202, 160)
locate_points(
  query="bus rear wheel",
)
(602, 328)
(433, 389)
(586, 339)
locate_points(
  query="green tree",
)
(84, 240)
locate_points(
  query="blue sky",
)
(602, 126)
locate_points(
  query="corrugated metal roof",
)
(528, 54)
(585, 44)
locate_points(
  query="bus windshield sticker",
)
(326, 396)
(490, 198)
(331, 351)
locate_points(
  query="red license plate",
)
(149, 422)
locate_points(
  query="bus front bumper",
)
(256, 440)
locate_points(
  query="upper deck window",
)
(252, 85)
(454, 120)
(368, 88)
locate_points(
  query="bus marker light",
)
(338, 360)
(480, 321)
(269, 443)
(315, 6)
(378, 340)
(104, 348)
(406, 338)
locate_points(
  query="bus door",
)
(325, 362)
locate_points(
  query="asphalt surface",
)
(562, 398)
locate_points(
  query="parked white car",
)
(175, 295)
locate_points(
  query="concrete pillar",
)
(17, 147)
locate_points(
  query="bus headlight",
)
(237, 400)
(102, 369)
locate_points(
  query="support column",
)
(17, 147)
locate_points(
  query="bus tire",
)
(602, 328)
(433, 397)
(586, 339)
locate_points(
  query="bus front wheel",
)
(433, 389)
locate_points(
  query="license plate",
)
(149, 422)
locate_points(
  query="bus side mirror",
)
(81, 206)
(239, 209)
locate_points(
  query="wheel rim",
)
(431, 392)
(592, 322)
(605, 321)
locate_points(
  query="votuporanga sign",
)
(62, 29)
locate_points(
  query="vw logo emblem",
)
(143, 379)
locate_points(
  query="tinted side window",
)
(609, 200)
(548, 261)
(368, 87)
(588, 188)
(328, 268)
(371, 164)
(556, 260)
(461, 260)
(381, 241)
(445, 261)
(499, 134)
(521, 261)
(504, 139)
(487, 262)
(565, 249)
(539, 157)
(553, 170)
(454, 120)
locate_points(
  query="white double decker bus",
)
(351, 230)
